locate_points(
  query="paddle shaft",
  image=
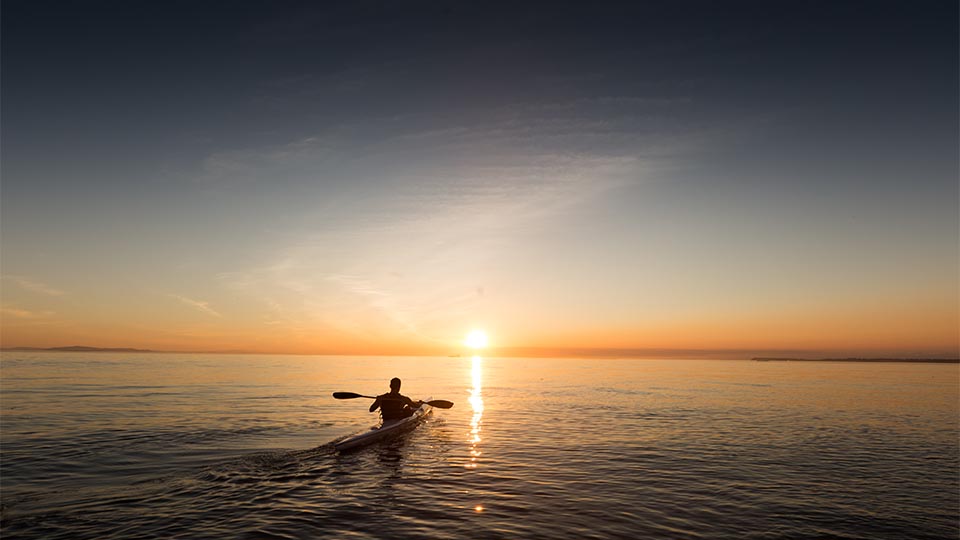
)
(438, 403)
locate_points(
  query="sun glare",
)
(476, 339)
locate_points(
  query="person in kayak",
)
(394, 405)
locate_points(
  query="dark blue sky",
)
(262, 71)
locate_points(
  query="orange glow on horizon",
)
(925, 327)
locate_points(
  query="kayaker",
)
(394, 405)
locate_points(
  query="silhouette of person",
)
(394, 405)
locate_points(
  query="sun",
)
(476, 339)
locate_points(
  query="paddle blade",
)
(345, 395)
(440, 403)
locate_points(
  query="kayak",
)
(385, 429)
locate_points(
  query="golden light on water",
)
(476, 339)
(476, 403)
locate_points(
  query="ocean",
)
(118, 445)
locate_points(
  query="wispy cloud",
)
(296, 159)
(197, 304)
(20, 313)
(441, 199)
(440, 225)
(380, 300)
(35, 286)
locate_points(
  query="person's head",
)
(395, 384)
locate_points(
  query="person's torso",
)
(391, 405)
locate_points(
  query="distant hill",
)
(77, 348)
(912, 360)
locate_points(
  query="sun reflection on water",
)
(476, 402)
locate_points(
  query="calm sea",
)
(212, 446)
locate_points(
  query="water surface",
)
(217, 446)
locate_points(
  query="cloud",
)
(197, 304)
(295, 159)
(34, 286)
(420, 245)
(441, 199)
(363, 148)
(377, 299)
(19, 313)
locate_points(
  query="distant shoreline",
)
(878, 360)
(74, 348)
(500, 354)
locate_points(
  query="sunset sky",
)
(382, 177)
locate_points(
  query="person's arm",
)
(413, 404)
(376, 403)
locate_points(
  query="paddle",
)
(438, 403)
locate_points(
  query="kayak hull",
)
(384, 430)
